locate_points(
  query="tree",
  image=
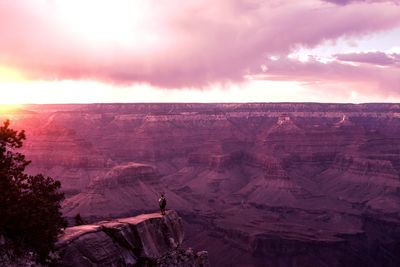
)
(29, 204)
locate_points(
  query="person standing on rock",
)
(163, 203)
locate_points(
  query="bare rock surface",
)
(144, 240)
(261, 184)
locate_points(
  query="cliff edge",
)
(144, 240)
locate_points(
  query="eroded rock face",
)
(248, 179)
(144, 240)
(122, 189)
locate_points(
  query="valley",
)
(263, 184)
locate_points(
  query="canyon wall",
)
(256, 184)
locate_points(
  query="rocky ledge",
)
(144, 240)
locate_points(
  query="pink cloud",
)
(174, 43)
(346, 2)
(377, 58)
(369, 79)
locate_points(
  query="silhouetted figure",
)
(78, 220)
(163, 203)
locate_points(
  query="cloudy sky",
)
(85, 51)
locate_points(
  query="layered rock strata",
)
(248, 179)
(144, 240)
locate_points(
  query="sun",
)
(10, 79)
(6, 109)
(8, 74)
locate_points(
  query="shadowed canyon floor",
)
(256, 184)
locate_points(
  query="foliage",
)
(29, 204)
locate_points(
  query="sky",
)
(94, 51)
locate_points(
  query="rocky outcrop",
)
(144, 240)
(264, 171)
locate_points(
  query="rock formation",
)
(129, 187)
(144, 240)
(256, 184)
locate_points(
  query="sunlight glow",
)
(9, 108)
(9, 74)
(102, 22)
(69, 91)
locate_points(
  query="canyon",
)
(262, 184)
